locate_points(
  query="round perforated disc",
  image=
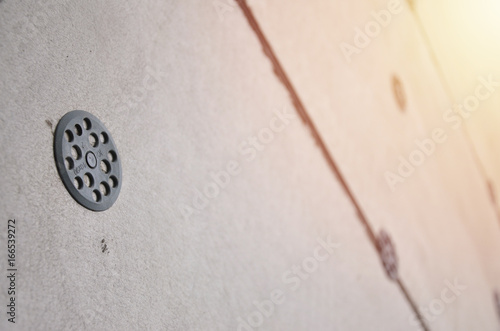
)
(87, 160)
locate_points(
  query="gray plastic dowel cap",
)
(87, 160)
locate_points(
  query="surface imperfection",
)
(491, 190)
(497, 301)
(49, 122)
(399, 93)
(411, 3)
(388, 255)
(104, 246)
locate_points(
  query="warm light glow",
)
(476, 34)
(465, 34)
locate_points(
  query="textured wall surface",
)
(442, 229)
(190, 93)
(462, 53)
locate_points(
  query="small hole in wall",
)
(399, 93)
(104, 246)
(388, 254)
(497, 301)
(491, 189)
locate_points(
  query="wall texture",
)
(288, 241)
